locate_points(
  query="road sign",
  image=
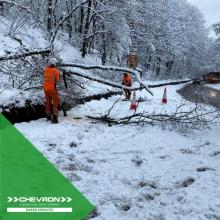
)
(132, 60)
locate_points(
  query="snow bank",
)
(214, 86)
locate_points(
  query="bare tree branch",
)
(22, 55)
(63, 20)
(196, 117)
(22, 7)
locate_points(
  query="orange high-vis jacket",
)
(127, 80)
(51, 76)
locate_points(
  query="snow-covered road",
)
(135, 172)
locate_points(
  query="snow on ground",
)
(214, 86)
(135, 172)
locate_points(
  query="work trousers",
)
(52, 99)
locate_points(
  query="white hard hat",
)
(52, 61)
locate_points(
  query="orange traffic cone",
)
(133, 102)
(164, 99)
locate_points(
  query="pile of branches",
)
(195, 117)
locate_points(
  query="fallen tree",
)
(106, 82)
(99, 67)
(170, 83)
(195, 117)
(75, 69)
(23, 55)
(135, 72)
(95, 79)
(79, 73)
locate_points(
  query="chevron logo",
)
(39, 199)
(49, 192)
(13, 199)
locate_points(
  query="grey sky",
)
(210, 9)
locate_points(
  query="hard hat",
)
(52, 61)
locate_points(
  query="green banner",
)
(31, 188)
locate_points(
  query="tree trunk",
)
(1, 8)
(81, 21)
(86, 30)
(148, 63)
(104, 54)
(158, 70)
(70, 20)
(50, 15)
(54, 14)
(104, 49)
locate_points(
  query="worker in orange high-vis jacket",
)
(51, 76)
(126, 81)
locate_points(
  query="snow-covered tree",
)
(168, 35)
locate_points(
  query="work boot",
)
(48, 116)
(55, 119)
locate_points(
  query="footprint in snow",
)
(50, 148)
(123, 206)
(71, 157)
(165, 157)
(71, 167)
(52, 145)
(146, 183)
(73, 144)
(215, 153)
(89, 160)
(186, 151)
(150, 197)
(74, 177)
(203, 169)
(137, 160)
(185, 183)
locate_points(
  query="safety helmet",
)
(52, 61)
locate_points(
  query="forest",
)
(169, 36)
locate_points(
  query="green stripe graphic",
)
(31, 188)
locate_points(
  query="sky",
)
(210, 9)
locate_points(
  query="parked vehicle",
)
(212, 77)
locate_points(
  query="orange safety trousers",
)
(51, 76)
(52, 97)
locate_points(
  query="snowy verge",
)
(214, 86)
